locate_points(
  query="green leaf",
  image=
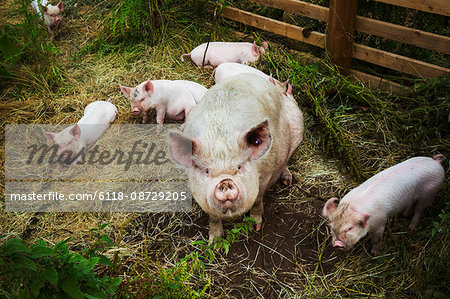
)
(41, 242)
(87, 266)
(71, 288)
(75, 258)
(235, 230)
(40, 251)
(8, 48)
(226, 246)
(4, 73)
(62, 246)
(103, 225)
(104, 260)
(24, 262)
(198, 242)
(50, 274)
(13, 246)
(36, 287)
(107, 240)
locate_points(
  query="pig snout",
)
(226, 193)
(57, 20)
(339, 245)
(136, 110)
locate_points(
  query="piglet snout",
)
(338, 245)
(226, 190)
(136, 110)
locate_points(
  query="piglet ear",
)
(361, 217)
(125, 90)
(44, 9)
(148, 87)
(330, 207)
(258, 139)
(255, 50)
(50, 136)
(182, 148)
(265, 44)
(75, 131)
(60, 6)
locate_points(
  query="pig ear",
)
(258, 139)
(330, 207)
(125, 90)
(44, 9)
(289, 89)
(60, 6)
(271, 79)
(255, 50)
(75, 131)
(361, 217)
(265, 45)
(148, 87)
(182, 148)
(50, 136)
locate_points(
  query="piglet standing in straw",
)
(73, 140)
(52, 14)
(221, 52)
(172, 100)
(408, 187)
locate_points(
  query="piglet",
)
(77, 138)
(52, 14)
(172, 99)
(408, 187)
(220, 52)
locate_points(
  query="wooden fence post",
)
(341, 28)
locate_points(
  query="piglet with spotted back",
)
(52, 14)
(172, 100)
(235, 145)
(221, 52)
(408, 187)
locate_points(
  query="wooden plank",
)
(274, 26)
(387, 30)
(341, 28)
(378, 82)
(441, 7)
(298, 7)
(404, 34)
(397, 62)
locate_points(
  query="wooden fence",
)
(343, 22)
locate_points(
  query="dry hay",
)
(291, 257)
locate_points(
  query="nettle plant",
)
(38, 270)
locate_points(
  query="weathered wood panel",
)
(397, 62)
(341, 28)
(274, 26)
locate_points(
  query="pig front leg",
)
(145, 117)
(377, 240)
(256, 212)
(215, 228)
(286, 176)
(423, 203)
(160, 116)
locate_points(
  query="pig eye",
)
(256, 141)
(142, 100)
(350, 228)
(206, 171)
(239, 167)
